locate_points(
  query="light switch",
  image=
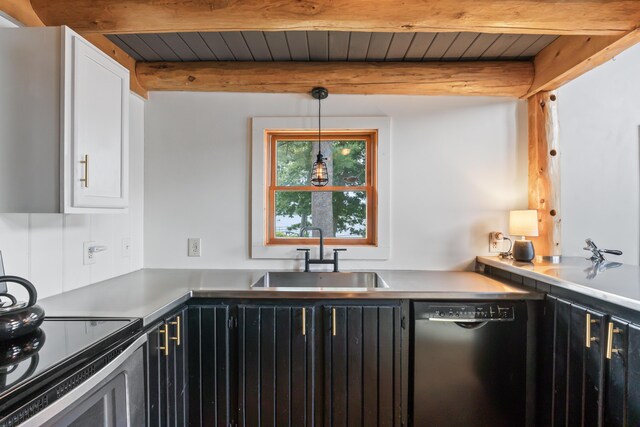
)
(194, 247)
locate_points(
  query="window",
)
(374, 243)
(345, 209)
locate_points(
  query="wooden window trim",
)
(371, 187)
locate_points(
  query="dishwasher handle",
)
(467, 312)
(449, 320)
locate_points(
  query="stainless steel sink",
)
(294, 280)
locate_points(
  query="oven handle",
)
(69, 399)
(458, 320)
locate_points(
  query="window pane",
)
(293, 211)
(338, 214)
(349, 162)
(346, 162)
(293, 162)
(350, 214)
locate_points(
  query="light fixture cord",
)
(319, 122)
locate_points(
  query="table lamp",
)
(523, 223)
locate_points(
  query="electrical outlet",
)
(496, 239)
(126, 247)
(88, 257)
(194, 246)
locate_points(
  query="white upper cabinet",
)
(63, 124)
(99, 111)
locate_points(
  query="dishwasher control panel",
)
(490, 312)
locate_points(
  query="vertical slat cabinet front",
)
(575, 365)
(176, 374)
(546, 353)
(593, 397)
(572, 365)
(210, 399)
(276, 365)
(560, 362)
(616, 387)
(362, 366)
(157, 376)
(584, 367)
(633, 377)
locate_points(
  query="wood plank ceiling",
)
(330, 46)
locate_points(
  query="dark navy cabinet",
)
(167, 390)
(299, 363)
(362, 365)
(622, 401)
(276, 365)
(210, 359)
(590, 367)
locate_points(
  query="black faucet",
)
(308, 261)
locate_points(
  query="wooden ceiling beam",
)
(569, 57)
(21, 11)
(602, 17)
(497, 78)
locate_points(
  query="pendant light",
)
(319, 173)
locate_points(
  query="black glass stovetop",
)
(59, 346)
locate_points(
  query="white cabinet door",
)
(99, 134)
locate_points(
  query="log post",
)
(544, 172)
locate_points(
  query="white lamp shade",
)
(523, 223)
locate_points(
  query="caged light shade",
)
(319, 173)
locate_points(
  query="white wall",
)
(457, 166)
(599, 117)
(47, 248)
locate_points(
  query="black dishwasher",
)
(471, 364)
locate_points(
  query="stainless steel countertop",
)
(150, 293)
(619, 285)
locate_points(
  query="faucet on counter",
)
(598, 253)
(308, 261)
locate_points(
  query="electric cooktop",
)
(61, 344)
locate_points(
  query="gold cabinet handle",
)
(333, 320)
(304, 321)
(177, 325)
(85, 162)
(588, 338)
(610, 349)
(165, 332)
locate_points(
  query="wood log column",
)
(544, 172)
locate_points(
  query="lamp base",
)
(523, 250)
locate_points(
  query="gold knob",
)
(165, 332)
(588, 338)
(333, 318)
(85, 162)
(610, 349)
(588, 332)
(177, 325)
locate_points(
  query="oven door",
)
(113, 397)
